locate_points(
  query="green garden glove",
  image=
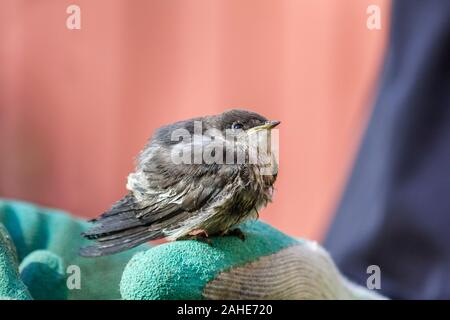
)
(39, 246)
(39, 255)
(267, 265)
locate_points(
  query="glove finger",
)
(182, 269)
(11, 286)
(37, 228)
(43, 272)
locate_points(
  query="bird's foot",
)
(236, 232)
(199, 235)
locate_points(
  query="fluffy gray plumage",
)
(177, 201)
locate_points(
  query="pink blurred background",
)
(76, 106)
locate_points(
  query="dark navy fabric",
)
(395, 211)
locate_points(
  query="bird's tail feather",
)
(118, 229)
(118, 242)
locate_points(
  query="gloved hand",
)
(39, 254)
(267, 265)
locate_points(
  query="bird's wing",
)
(164, 189)
(166, 201)
(188, 194)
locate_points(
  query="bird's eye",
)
(237, 125)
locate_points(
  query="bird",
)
(218, 185)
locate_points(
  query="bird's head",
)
(226, 138)
(240, 120)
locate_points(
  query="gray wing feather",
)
(139, 218)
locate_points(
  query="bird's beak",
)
(270, 124)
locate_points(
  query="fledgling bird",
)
(191, 199)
